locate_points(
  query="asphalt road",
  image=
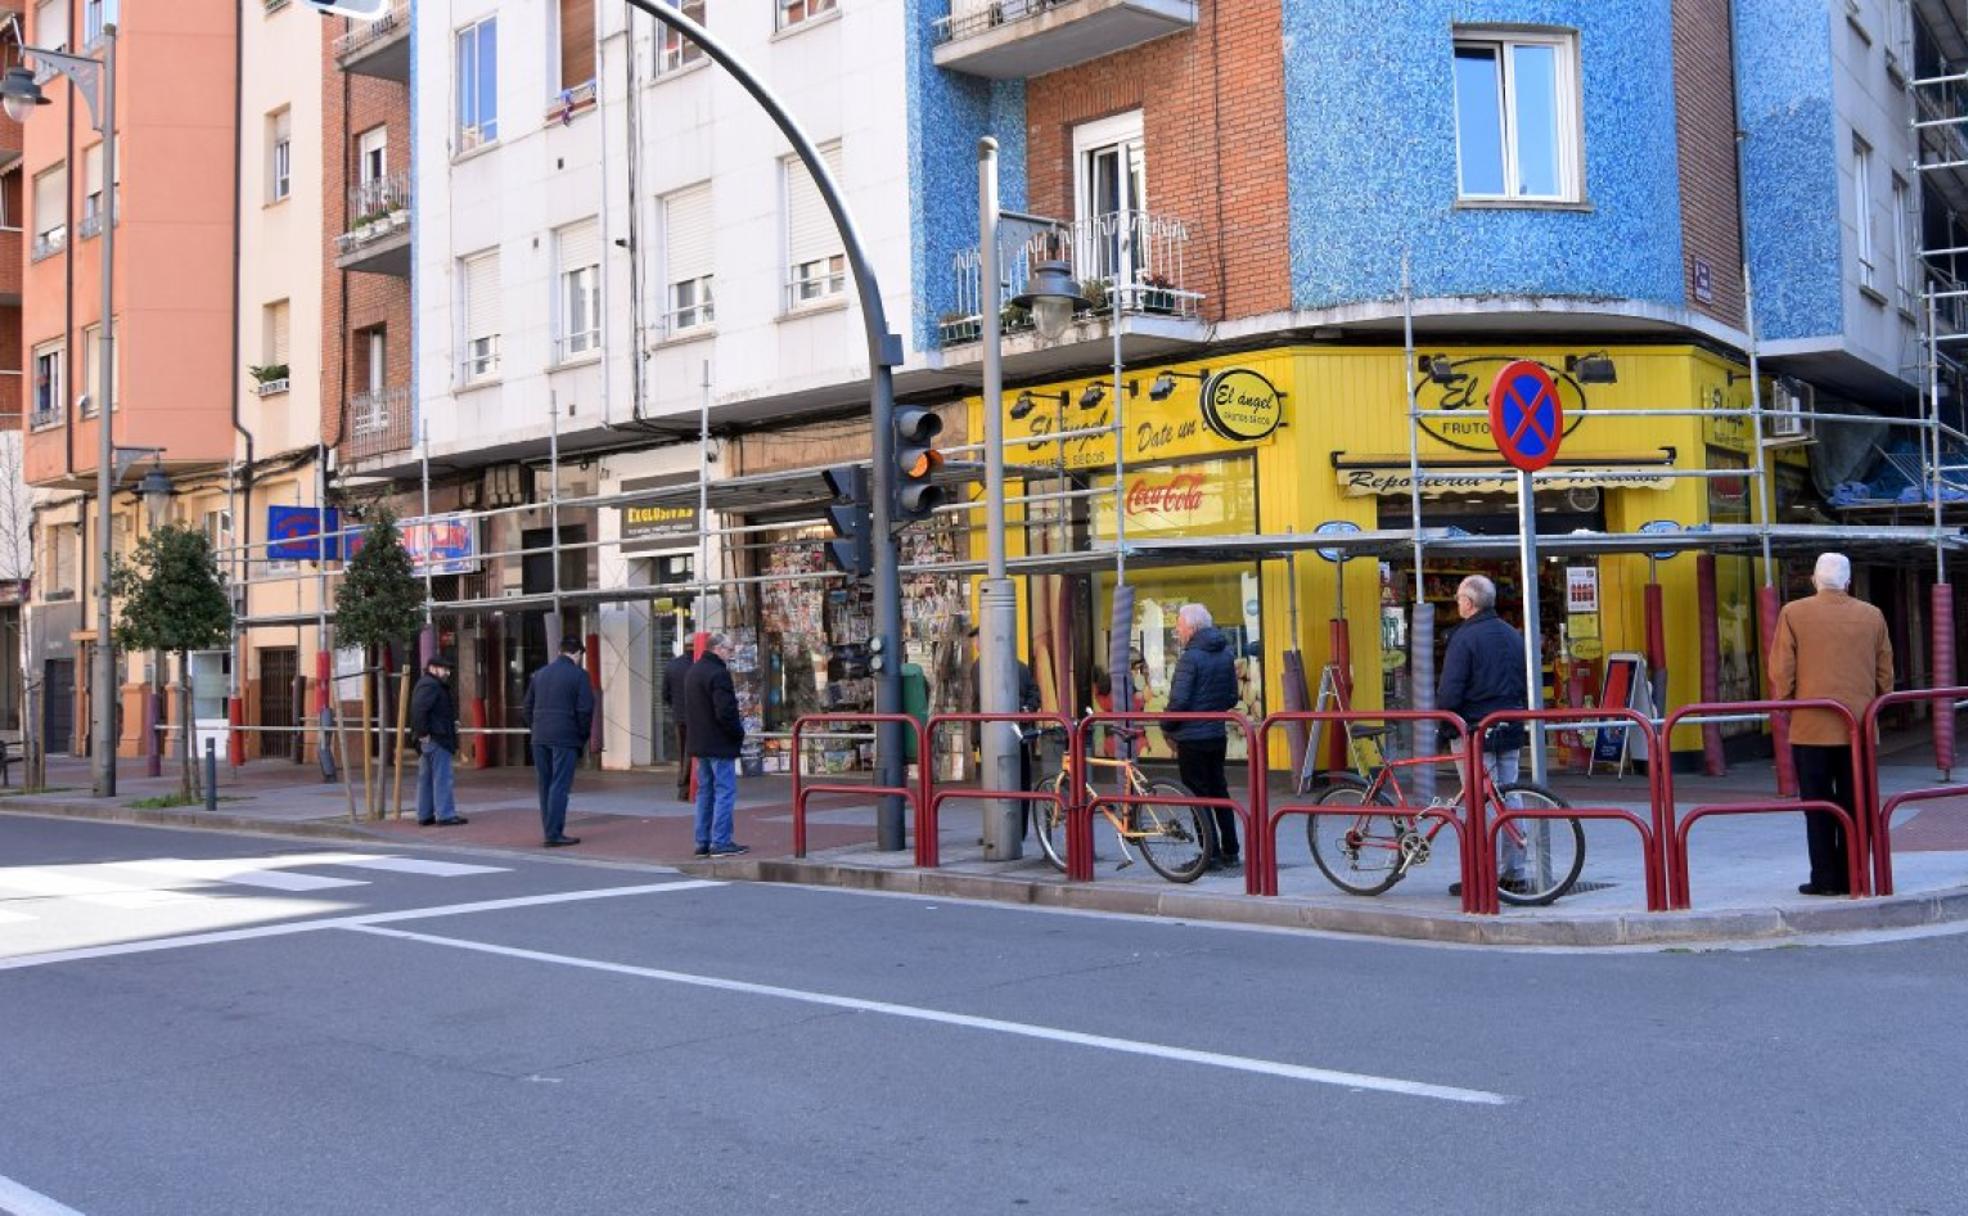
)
(447, 1031)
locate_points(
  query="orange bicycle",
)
(1176, 838)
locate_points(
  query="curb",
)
(217, 821)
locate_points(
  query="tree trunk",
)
(188, 784)
(341, 741)
(368, 739)
(396, 739)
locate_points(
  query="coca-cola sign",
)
(1165, 495)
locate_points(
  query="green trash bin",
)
(915, 703)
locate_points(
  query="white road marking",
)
(7, 918)
(263, 872)
(59, 884)
(342, 922)
(1213, 1059)
(21, 1201)
(406, 865)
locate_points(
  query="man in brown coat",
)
(1834, 647)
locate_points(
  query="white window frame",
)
(373, 142)
(1569, 119)
(578, 291)
(57, 369)
(376, 338)
(813, 282)
(480, 361)
(1106, 246)
(280, 155)
(41, 38)
(791, 14)
(275, 314)
(689, 303)
(61, 566)
(92, 23)
(479, 131)
(1905, 276)
(91, 368)
(674, 52)
(50, 231)
(1865, 254)
(92, 200)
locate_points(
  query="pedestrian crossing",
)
(28, 893)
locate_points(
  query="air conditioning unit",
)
(1791, 403)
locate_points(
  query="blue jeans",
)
(717, 793)
(553, 770)
(435, 797)
(1504, 769)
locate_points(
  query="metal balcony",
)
(379, 48)
(378, 236)
(376, 423)
(1017, 39)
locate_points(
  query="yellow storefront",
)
(1333, 446)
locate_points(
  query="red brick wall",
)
(1213, 125)
(1705, 127)
(354, 302)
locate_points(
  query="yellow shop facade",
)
(1304, 436)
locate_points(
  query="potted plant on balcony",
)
(1013, 318)
(954, 328)
(1157, 294)
(1095, 292)
(270, 373)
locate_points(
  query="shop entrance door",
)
(528, 648)
(58, 705)
(278, 666)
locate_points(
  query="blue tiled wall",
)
(1370, 125)
(1790, 166)
(948, 112)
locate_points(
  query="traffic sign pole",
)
(1527, 552)
(1528, 423)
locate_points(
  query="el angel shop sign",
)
(1231, 408)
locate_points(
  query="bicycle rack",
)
(1857, 875)
(1883, 810)
(927, 817)
(1276, 815)
(1079, 819)
(1484, 833)
(802, 790)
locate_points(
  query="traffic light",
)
(848, 515)
(916, 462)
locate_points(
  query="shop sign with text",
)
(656, 525)
(1370, 483)
(1245, 409)
(1212, 498)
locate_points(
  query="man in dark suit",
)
(434, 725)
(560, 711)
(674, 675)
(717, 734)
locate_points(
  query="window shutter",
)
(277, 324)
(51, 25)
(482, 296)
(687, 233)
(92, 171)
(810, 233)
(580, 245)
(50, 201)
(577, 35)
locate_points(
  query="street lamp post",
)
(95, 80)
(155, 490)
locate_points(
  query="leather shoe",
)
(454, 821)
(1811, 888)
(561, 842)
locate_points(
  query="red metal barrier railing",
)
(802, 790)
(1857, 875)
(1883, 810)
(1079, 820)
(1275, 815)
(1483, 833)
(928, 853)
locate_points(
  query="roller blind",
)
(51, 25)
(687, 233)
(92, 170)
(50, 200)
(277, 324)
(482, 318)
(580, 245)
(810, 233)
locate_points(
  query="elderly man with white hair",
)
(1834, 647)
(1205, 682)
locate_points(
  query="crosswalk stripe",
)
(56, 884)
(263, 872)
(8, 918)
(413, 865)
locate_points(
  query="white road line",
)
(21, 1201)
(8, 918)
(84, 953)
(65, 884)
(263, 872)
(408, 865)
(1271, 1068)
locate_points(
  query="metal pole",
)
(1527, 550)
(704, 498)
(997, 651)
(1763, 497)
(324, 750)
(1414, 421)
(1421, 642)
(424, 459)
(105, 730)
(1934, 399)
(1120, 415)
(558, 628)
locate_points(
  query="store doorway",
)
(58, 705)
(527, 646)
(278, 667)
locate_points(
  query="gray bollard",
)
(211, 774)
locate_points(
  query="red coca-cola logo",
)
(1182, 492)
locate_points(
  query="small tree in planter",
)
(173, 598)
(379, 602)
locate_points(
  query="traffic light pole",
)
(997, 670)
(884, 353)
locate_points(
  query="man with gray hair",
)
(1205, 682)
(716, 734)
(1834, 647)
(1483, 674)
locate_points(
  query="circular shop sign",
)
(1241, 405)
(1335, 527)
(1656, 527)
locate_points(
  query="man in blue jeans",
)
(434, 724)
(560, 711)
(716, 734)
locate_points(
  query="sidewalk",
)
(1745, 869)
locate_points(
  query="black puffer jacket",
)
(712, 726)
(434, 712)
(1205, 682)
(1482, 674)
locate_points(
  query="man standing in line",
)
(1483, 674)
(559, 709)
(674, 674)
(1028, 703)
(1834, 647)
(434, 724)
(1205, 682)
(717, 734)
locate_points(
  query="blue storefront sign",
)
(294, 534)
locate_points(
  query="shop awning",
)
(1376, 476)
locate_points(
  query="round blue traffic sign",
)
(1526, 419)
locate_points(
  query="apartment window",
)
(375, 359)
(577, 43)
(1110, 189)
(1905, 275)
(92, 353)
(92, 189)
(480, 277)
(50, 210)
(793, 12)
(478, 84)
(1517, 117)
(687, 259)
(372, 156)
(816, 268)
(280, 154)
(92, 22)
(47, 404)
(1862, 210)
(675, 51)
(51, 24)
(275, 324)
(580, 288)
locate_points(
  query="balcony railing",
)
(91, 223)
(376, 209)
(48, 244)
(376, 423)
(1017, 39)
(1130, 258)
(380, 47)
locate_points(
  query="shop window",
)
(1517, 116)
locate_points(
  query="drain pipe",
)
(242, 513)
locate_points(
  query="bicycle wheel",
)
(1361, 854)
(1176, 838)
(1554, 849)
(1049, 821)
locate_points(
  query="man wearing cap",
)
(559, 710)
(434, 724)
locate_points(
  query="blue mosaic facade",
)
(948, 113)
(1790, 166)
(1371, 146)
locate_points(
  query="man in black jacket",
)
(434, 724)
(717, 734)
(1482, 674)
(674, 674)
(560, 710)
(1205, 682)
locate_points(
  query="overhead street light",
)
(1053, 297)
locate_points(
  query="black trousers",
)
(1824, 774)
(1201, 766)
(683, 765)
